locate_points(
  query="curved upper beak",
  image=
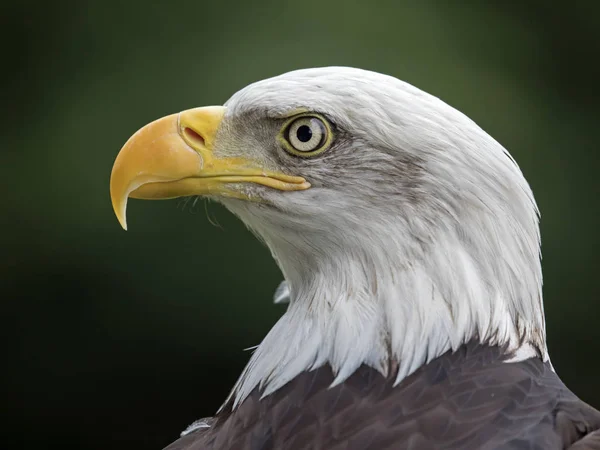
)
(173, 157)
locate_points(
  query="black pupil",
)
(304, 133)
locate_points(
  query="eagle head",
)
(402, 228)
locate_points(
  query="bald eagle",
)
(410, 246)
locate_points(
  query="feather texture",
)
(466, 400)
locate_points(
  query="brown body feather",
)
(470, 399)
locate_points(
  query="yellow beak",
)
(173, 157)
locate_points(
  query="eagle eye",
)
(306, 135)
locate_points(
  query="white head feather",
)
(419, 233)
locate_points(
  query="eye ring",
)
(306, 135)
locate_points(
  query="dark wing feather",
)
(470, 399)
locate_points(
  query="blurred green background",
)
(119, 340)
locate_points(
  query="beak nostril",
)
(193, 136)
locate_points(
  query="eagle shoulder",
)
(469, 399)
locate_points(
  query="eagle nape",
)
(410, 245)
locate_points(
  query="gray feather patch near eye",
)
(282, 293)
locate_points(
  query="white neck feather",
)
(394, 318)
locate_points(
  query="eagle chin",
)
(409, 243)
